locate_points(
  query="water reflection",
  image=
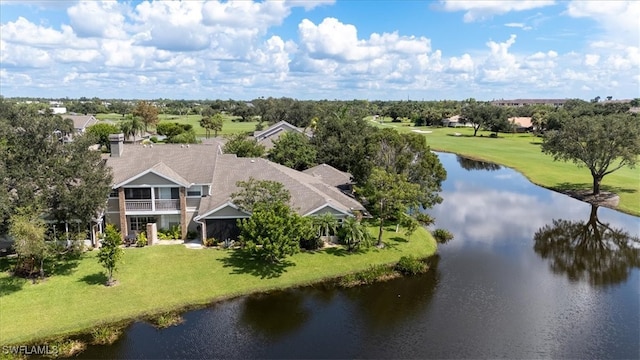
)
(470, 164)
(276, 314)
(588, 250)
(387, 304)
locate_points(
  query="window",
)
(194, 191)
(139, 223)
(166, 193)
(113, 193)
(137, 193)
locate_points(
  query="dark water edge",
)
(507, 286)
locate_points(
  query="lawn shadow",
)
(337, 251)
(98, 278)
(567, 186)
(63, 266)
(244, 263)
(11, 284)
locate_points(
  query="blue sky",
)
(324, 49)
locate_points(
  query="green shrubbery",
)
(409, 265)
(442, 236)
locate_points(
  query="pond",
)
(530, 274)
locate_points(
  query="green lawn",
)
(229, 127)
(522, 152)
(160, 278)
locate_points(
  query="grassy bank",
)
(522, 152)
(230, 126)
(162, 278)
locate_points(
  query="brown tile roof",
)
(329, 175)
(190, 164)
(308, 193)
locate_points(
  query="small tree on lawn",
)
(28, 232)
(274, 231)
(110, 254)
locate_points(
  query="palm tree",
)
(326, 224)
(355, 234)
(131, 127)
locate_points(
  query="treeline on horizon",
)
(301, 112)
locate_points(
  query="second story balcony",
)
(152, 205)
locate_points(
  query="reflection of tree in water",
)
(591, 251)
(276, 314)
(469, 164)
(387, 303)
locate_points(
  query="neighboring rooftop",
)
(330, 175)
(81, 122)
(308, 193)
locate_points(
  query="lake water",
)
(512, 284)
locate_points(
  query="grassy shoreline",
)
(168, 278)
(522, 153)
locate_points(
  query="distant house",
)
(456, 121)
(190, 186)
(521, 124)
(58, 110)
(268, 136)
(80, 124)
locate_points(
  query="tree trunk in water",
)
(596, 184)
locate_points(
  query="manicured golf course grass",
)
(229, 127)
(522, 152)
(165, 277)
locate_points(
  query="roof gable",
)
(161, 170)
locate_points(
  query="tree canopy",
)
(603, 144)
(243, 146)
(293, 150)
(67, 182)
(253, 192)
(148, 112)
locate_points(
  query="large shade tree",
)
(67, 181)
(602, 144)
(148, 112)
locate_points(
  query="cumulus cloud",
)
(234, 49)
(483, 10)
(97, 19)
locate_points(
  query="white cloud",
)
(591, 59)
(619, 19)
(483, 10)
(97, 19)
(462, 64)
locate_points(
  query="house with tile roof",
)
(270, 135)
(190, 186)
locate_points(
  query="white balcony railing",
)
(146, 205)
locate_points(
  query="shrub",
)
(141, 239)
(105, 335)
(442, 236)
(409, 265)
(369, 276)
(209, 242)
(153, 139)
(166, 320)
(314, 243)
